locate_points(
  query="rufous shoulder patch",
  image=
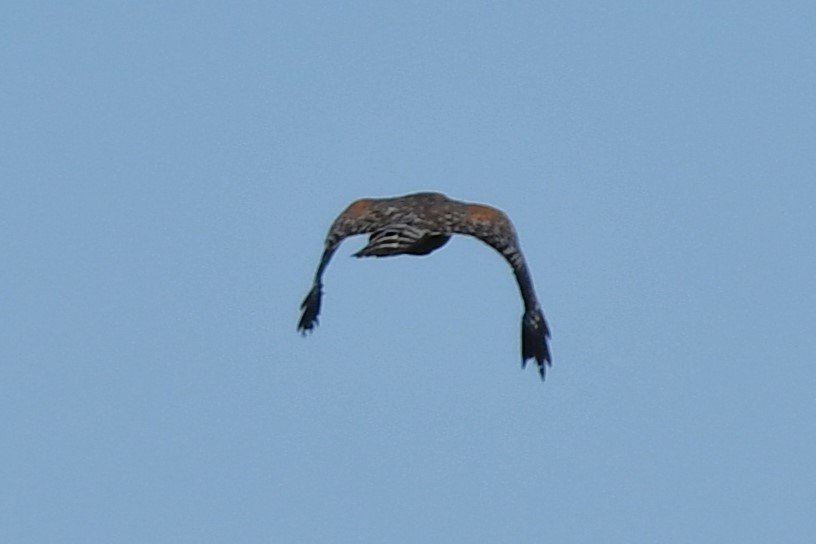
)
(478, 212)
(357, 208)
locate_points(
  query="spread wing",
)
(351, 221)
(492, 227)
(393, 231)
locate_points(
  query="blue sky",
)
(170, 170)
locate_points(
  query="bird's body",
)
(420, 223)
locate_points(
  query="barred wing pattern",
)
(419, 224)
(402, 239)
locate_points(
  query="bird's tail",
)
(534, 334)
(311, 309)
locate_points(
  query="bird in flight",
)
(420, 223)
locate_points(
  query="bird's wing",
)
(494, 228)
(348, 223)
(387, 237)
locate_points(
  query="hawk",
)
(420, 223)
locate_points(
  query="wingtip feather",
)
(310, 310)
(534, 335)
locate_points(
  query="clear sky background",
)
(169, 171)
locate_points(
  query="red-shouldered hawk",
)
(420, 223)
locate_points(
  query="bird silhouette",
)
(418, 224)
